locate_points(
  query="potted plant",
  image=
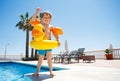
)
(108, 54)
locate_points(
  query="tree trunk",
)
(32, 50)
(27, 43)
(35, 53)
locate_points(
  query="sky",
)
(89, 24)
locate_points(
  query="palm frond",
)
(40, 15)
(26, 15)
(17, 24)
(22, 17)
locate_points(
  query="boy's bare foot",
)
(52, 75)
(35, 74)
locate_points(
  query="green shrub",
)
(107, 51)
(29, 59)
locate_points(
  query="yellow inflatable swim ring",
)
(38, 35)
(44, 44)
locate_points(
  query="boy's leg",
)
(49, 57)
(39, 65)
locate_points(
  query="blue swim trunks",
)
(43, 52)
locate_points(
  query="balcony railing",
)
(11, 57)
(100, 54)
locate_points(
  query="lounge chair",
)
(60, 58)
(70, 56)
(80, 52)
(76, 54)
(88, 58)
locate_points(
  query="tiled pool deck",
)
(101, 70)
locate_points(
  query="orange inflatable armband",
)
(57, 30)
(33, 23)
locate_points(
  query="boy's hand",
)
(38, 9)
(58, 43)
(36, 14)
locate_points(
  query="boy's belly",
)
(46, 37)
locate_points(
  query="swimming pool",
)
(13, 71)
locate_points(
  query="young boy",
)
(45, 21)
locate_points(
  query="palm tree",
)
(24, 24)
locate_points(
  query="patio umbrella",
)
(66, 46)
(111, 48)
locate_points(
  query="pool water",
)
(11, 71)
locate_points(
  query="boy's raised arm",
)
(36, 14)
